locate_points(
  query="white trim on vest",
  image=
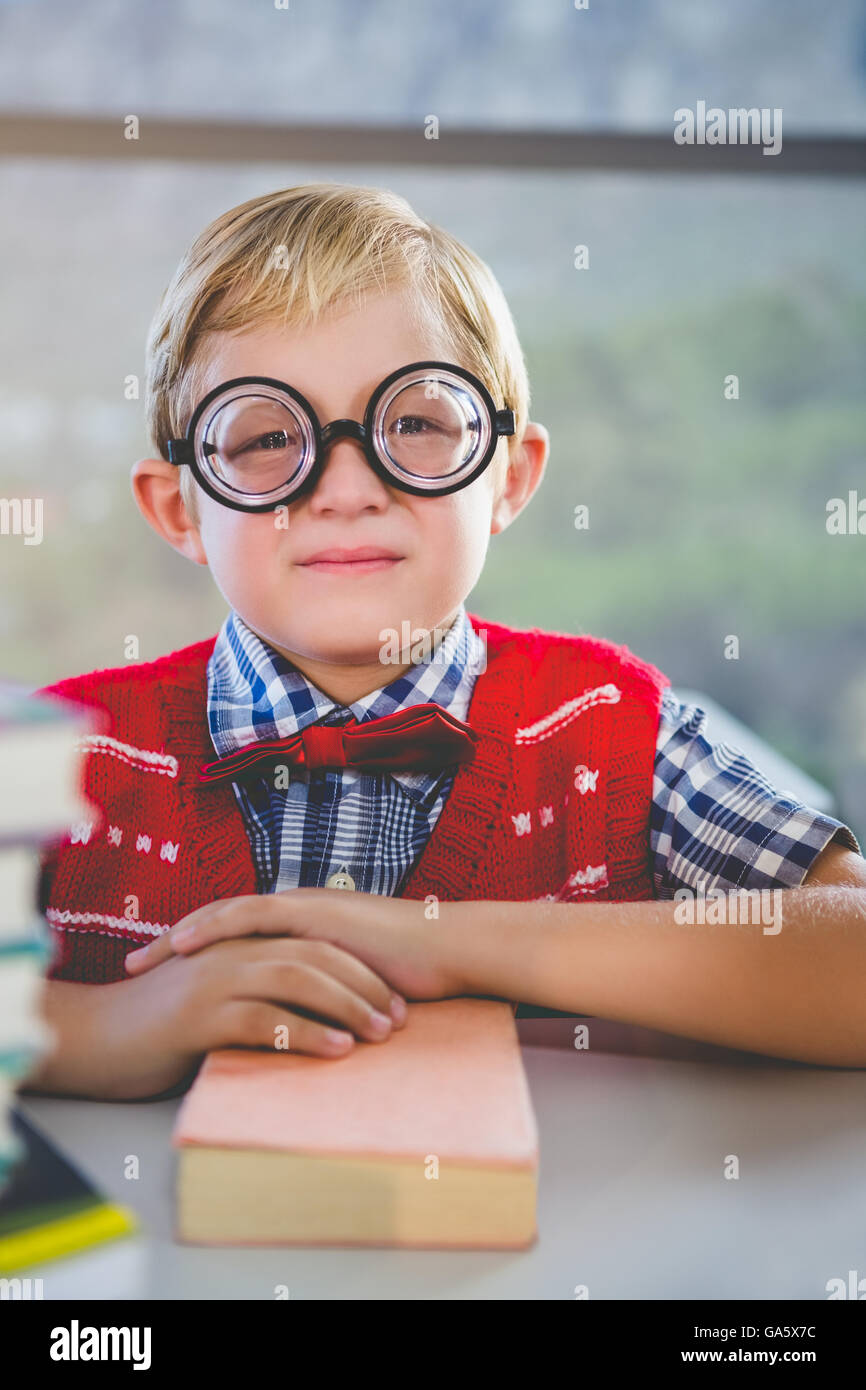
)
(144, 759)
(587, 880)
(128, 925)
(564, 714)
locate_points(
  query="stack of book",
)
(24, 957)
(40, 799)
(47, 1208)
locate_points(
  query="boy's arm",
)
(837, 865)
(94, 1055)
(143, 1038)
(785, 978)
(797, 993)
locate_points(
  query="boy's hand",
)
(253, 992)
(392, 936)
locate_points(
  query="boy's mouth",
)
(363, 559)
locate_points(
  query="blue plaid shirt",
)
(374, 825)
(714, 816)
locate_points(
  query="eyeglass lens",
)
(255, 444)
(428, 429)
(260, 441)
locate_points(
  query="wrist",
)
(146, 1057)
(471, 945)
(81, 1058)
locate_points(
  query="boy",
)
(340, 407)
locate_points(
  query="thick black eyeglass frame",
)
(182, 451)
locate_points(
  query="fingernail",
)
(379, 1023)
(185, 934)
(335, 1038)
(398, 1008)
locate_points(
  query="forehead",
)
(336, 361)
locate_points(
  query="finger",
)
(335, 961)
(354, 974)
(217, 921)
(146, 957)
(280, 915)
(295, 982)
(256, 1023)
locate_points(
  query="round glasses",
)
(430, 428)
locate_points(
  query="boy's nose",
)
(346, 474)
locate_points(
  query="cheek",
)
(451, 544)
(463, 526)
(238, 546)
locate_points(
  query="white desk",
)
(633, 1201)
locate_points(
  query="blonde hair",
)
(288, 257)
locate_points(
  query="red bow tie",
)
(422, 737)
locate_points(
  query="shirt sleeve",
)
(717, 820)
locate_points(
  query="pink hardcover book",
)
(427, 1139)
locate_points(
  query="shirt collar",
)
(256, 693)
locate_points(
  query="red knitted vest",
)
(556, 803)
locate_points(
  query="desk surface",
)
(633, 1198)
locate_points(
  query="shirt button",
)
(341, 879)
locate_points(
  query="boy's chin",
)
(348, 633)
(345, 643)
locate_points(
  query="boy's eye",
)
(275, 439)
(413, 424)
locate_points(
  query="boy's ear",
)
(156, 489)
(525, 472)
